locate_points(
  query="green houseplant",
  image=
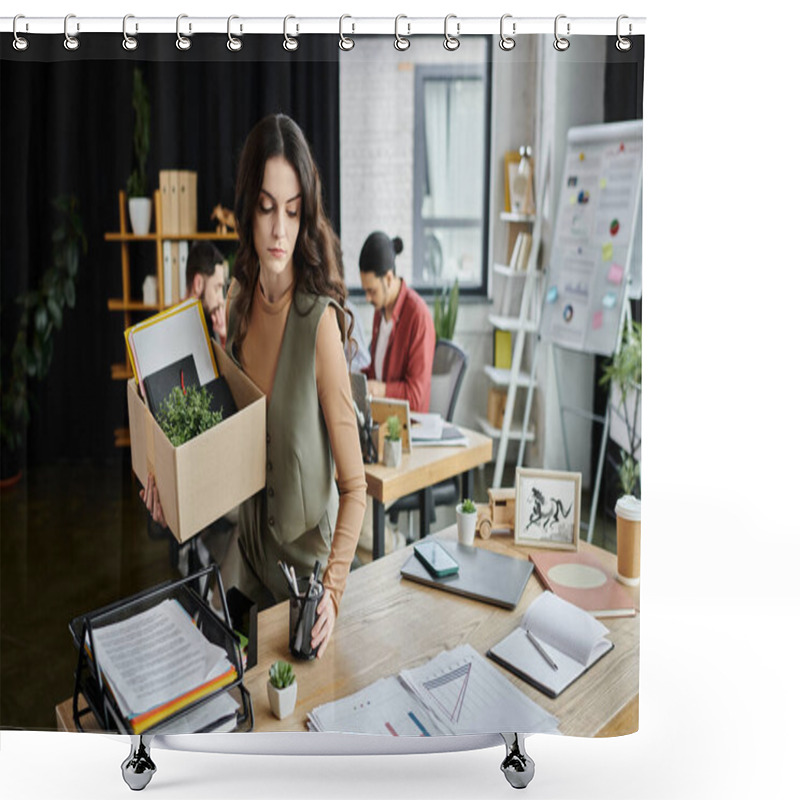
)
(282, 689)
(445, 312)
(623, 374)
(140, 205)
(466, 520)
(187, 413)
(41, 316)
(392, 445)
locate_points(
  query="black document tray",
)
(194, 599)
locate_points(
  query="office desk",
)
(419, 470)
(387, 624)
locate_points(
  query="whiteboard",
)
(595, 263)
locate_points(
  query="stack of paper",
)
(454, 693)
(429, 430)
(157, 662)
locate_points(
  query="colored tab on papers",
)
(597, 320)
(608, 251)
(615, 274)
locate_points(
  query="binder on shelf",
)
(176, 280)
(172, 604)
(187, 202)
(502, 349)
(183, 257)
(168, 269)
(170, 214)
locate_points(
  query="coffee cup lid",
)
(629, 507)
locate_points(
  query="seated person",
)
(205, 279)
(403, 336)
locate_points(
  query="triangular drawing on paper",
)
(445, 688)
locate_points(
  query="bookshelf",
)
(131, 302)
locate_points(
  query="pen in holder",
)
(302, 616)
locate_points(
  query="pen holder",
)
(302, 616)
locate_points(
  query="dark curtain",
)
(66, 128)
(622, 100)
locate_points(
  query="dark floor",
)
(74, 537)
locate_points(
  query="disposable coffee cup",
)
(629, 539)
(302, 618)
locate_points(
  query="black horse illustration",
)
(546, 513)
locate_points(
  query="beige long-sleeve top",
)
(259, 354)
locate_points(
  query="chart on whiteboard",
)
(594, 237)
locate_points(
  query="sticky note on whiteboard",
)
(615, 274)
(609, 300)
(552, 294)
(597, 320)
(608, 251)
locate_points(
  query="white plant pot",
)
(282, 701)
(465, 524)
(140, 210)
(392, 452)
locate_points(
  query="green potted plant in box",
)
(624, 376)
(466, 519)
(140, 204)
(282, 689)
(186, 413)
(392, 446)
(42, 315)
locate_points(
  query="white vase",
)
(282, 701)
(140, 210)
(392, 452)
(465, 524)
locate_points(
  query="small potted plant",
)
(186, 413)
(466, 519)
(392, 446)
(282, 689)
(140, 205)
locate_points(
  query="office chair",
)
(449, 368)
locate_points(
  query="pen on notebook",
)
(535, 642)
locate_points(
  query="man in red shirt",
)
(403, 336)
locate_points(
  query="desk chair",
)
(449, 368)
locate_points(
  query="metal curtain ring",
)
(561, 43)
(345, 42)
(182, 42)
(400, 42)
(451, 43)
(289, 42)
(622, 44)
(20, 42)
(507, 42)
(234, 43)
(70, 42)
(128, 42)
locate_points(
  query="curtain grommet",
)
(561, 43)
(182, 42)
(507, 42)
(20, 43)
(71, 43)
(400, 42)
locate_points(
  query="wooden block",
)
(496, 407)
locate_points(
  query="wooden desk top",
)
(387, 624)
(425, 466)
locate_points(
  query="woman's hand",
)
(323, 629)
(150, 496)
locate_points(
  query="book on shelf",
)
(187, 202)
(176, 272)
(166, 249)
(170, 202)
(157, 663)
(581, 579)
(555, 643)
(523, 253)
(502, 349)
(183, 257)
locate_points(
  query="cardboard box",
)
(206, 477)
(496, 407)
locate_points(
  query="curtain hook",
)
(71, 42)
(622, 44)
(507, 42)
(345, 42)
(561, 43)
(182, 42)
(289, 42)
(451, 43)
(400, 42)
(234, 43)
(129, 42)
(20, 42)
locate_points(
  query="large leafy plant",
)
(42, 315)
(445, 311)
(137, 181)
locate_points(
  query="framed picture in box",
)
(548, 509)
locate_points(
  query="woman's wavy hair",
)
(317, 257)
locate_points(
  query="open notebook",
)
(572, 639)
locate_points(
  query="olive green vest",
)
(293, 517)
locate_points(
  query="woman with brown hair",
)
(286, 329)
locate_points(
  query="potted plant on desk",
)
(140, 205)
(392, 446)
(466, 518)
(282, 689)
